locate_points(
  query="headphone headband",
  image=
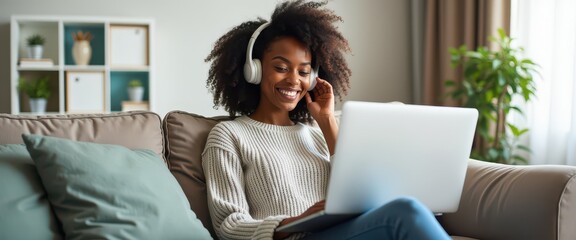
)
(253, 40)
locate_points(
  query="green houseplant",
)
(38, 91)
(135, 90)
(491, 80)
(134, 83)
(35, 39)
(35, 46)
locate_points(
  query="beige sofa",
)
(498, 201)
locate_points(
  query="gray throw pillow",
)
(102, 191)
(25, 212)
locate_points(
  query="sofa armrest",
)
(515, 202)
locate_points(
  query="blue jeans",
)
(403, 218)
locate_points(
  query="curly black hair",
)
(307, 21)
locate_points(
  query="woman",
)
(267, 168)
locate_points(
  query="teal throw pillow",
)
(102, 191)
(25, 212)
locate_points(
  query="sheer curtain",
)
(547, 31)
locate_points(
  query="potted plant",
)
(35, 46)
(135, 90)
(491, 80)
(38, 92)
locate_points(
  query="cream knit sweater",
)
(257, 174)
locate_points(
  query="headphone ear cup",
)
(313, 75)
(252, 71)
(257, 71)
(248, 73)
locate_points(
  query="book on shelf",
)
(30, 62)
(135, 106)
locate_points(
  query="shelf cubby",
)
(119, 84)
(46, 28)
(97, 43)
(53, 102)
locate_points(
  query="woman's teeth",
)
(289, 93)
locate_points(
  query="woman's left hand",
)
(323, 104)
(322, 110)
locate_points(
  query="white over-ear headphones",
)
(253, 67)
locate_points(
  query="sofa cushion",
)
(142, 130)
(515, 202)
(25, 210)
(186, 135)
(104, 191)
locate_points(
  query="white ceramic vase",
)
(82, 52)
(38, 105)
(136, 94)
(35, 51)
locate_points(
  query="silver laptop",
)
(385, 151)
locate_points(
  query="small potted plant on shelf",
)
(35, 46)
(38, 92)
(135, 90)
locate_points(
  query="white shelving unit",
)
(57, 31)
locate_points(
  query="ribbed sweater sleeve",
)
(228, 204)
(257, 175)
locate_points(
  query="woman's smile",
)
(288, 94)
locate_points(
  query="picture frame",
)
(85, 92)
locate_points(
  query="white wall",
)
(378, 32)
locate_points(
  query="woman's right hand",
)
(317, 207)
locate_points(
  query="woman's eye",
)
(281, 69)
(304, 74)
